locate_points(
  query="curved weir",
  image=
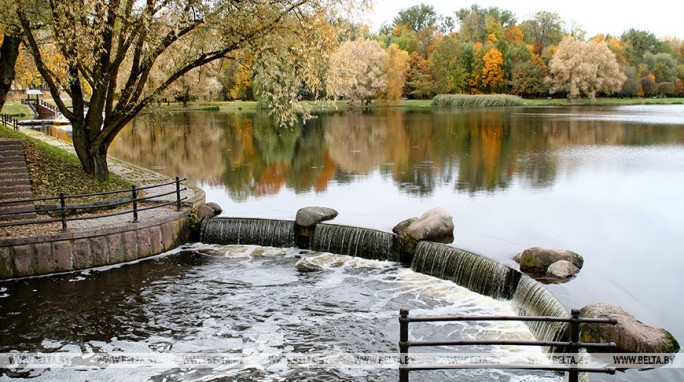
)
(353, 241)
(466, 269)
(264, 232)
(474, 272)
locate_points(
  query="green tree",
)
(446, 68)
(418, 17)
(476, 23)
(662, 65)
(638, 42)
(544, 29)
(112, 48)
(631, 87)
(420, 82)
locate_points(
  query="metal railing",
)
(63, 208)
(9, 121)
(573, 346)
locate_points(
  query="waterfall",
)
(353, 241)
(477, 273)
(531, 298)
(264, 232)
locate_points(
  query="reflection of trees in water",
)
(472, 150)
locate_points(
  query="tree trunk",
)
(9, 51)
(91, 153)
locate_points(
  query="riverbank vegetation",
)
(460, 100)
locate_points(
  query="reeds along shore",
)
(484, 100)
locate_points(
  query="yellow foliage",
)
(493, 71)
(514, 35)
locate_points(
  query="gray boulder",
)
(630, 335)
(562, 269)
(433, 224)
(538, 259)
(403, 225)
(310, 216)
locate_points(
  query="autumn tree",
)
(528, 78)
(113, 46)
(397, 72)
(493, 70)
(638, 42)
(9, 47)
(584, 68)
(357, 70)
(420, 83)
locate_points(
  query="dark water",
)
(250, 303)
(606, 182)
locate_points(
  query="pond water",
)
(606, 182)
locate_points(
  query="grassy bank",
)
(53, 170)
(17, 110)
(464, 100)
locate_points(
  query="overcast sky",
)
(661, 17)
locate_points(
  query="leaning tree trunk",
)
(9, 51)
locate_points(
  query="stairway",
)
(14, 182)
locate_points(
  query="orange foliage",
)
(514, 35)
(493, 71)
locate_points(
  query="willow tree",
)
(117, 54)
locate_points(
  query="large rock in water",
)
(630, 335)
(310, 216)
(434, 224)
(538, 259)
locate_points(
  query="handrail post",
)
(403, 344)
(573, 375)
(178, 196)
(62, 210)
(134, 194)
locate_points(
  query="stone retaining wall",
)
(72, 251)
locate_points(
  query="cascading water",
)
(250, 304)
(466, 269)
(532, 298)
(353, 241)
(265, 232)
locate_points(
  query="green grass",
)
(464, 100)
(53, 170)
(17, 110)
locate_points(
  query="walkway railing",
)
(63, 209)
(573, 346)
(9, 121)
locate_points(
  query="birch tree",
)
(113, 47)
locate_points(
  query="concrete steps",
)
(15, 183)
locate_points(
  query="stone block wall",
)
(70, 251)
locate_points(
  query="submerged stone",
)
(630, 335)
(310, 216)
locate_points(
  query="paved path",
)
(136, 175)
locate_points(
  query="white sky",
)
(661, 17)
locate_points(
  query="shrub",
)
(666, 89)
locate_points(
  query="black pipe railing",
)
(64, 207)
(573, 346)
(9, 121)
